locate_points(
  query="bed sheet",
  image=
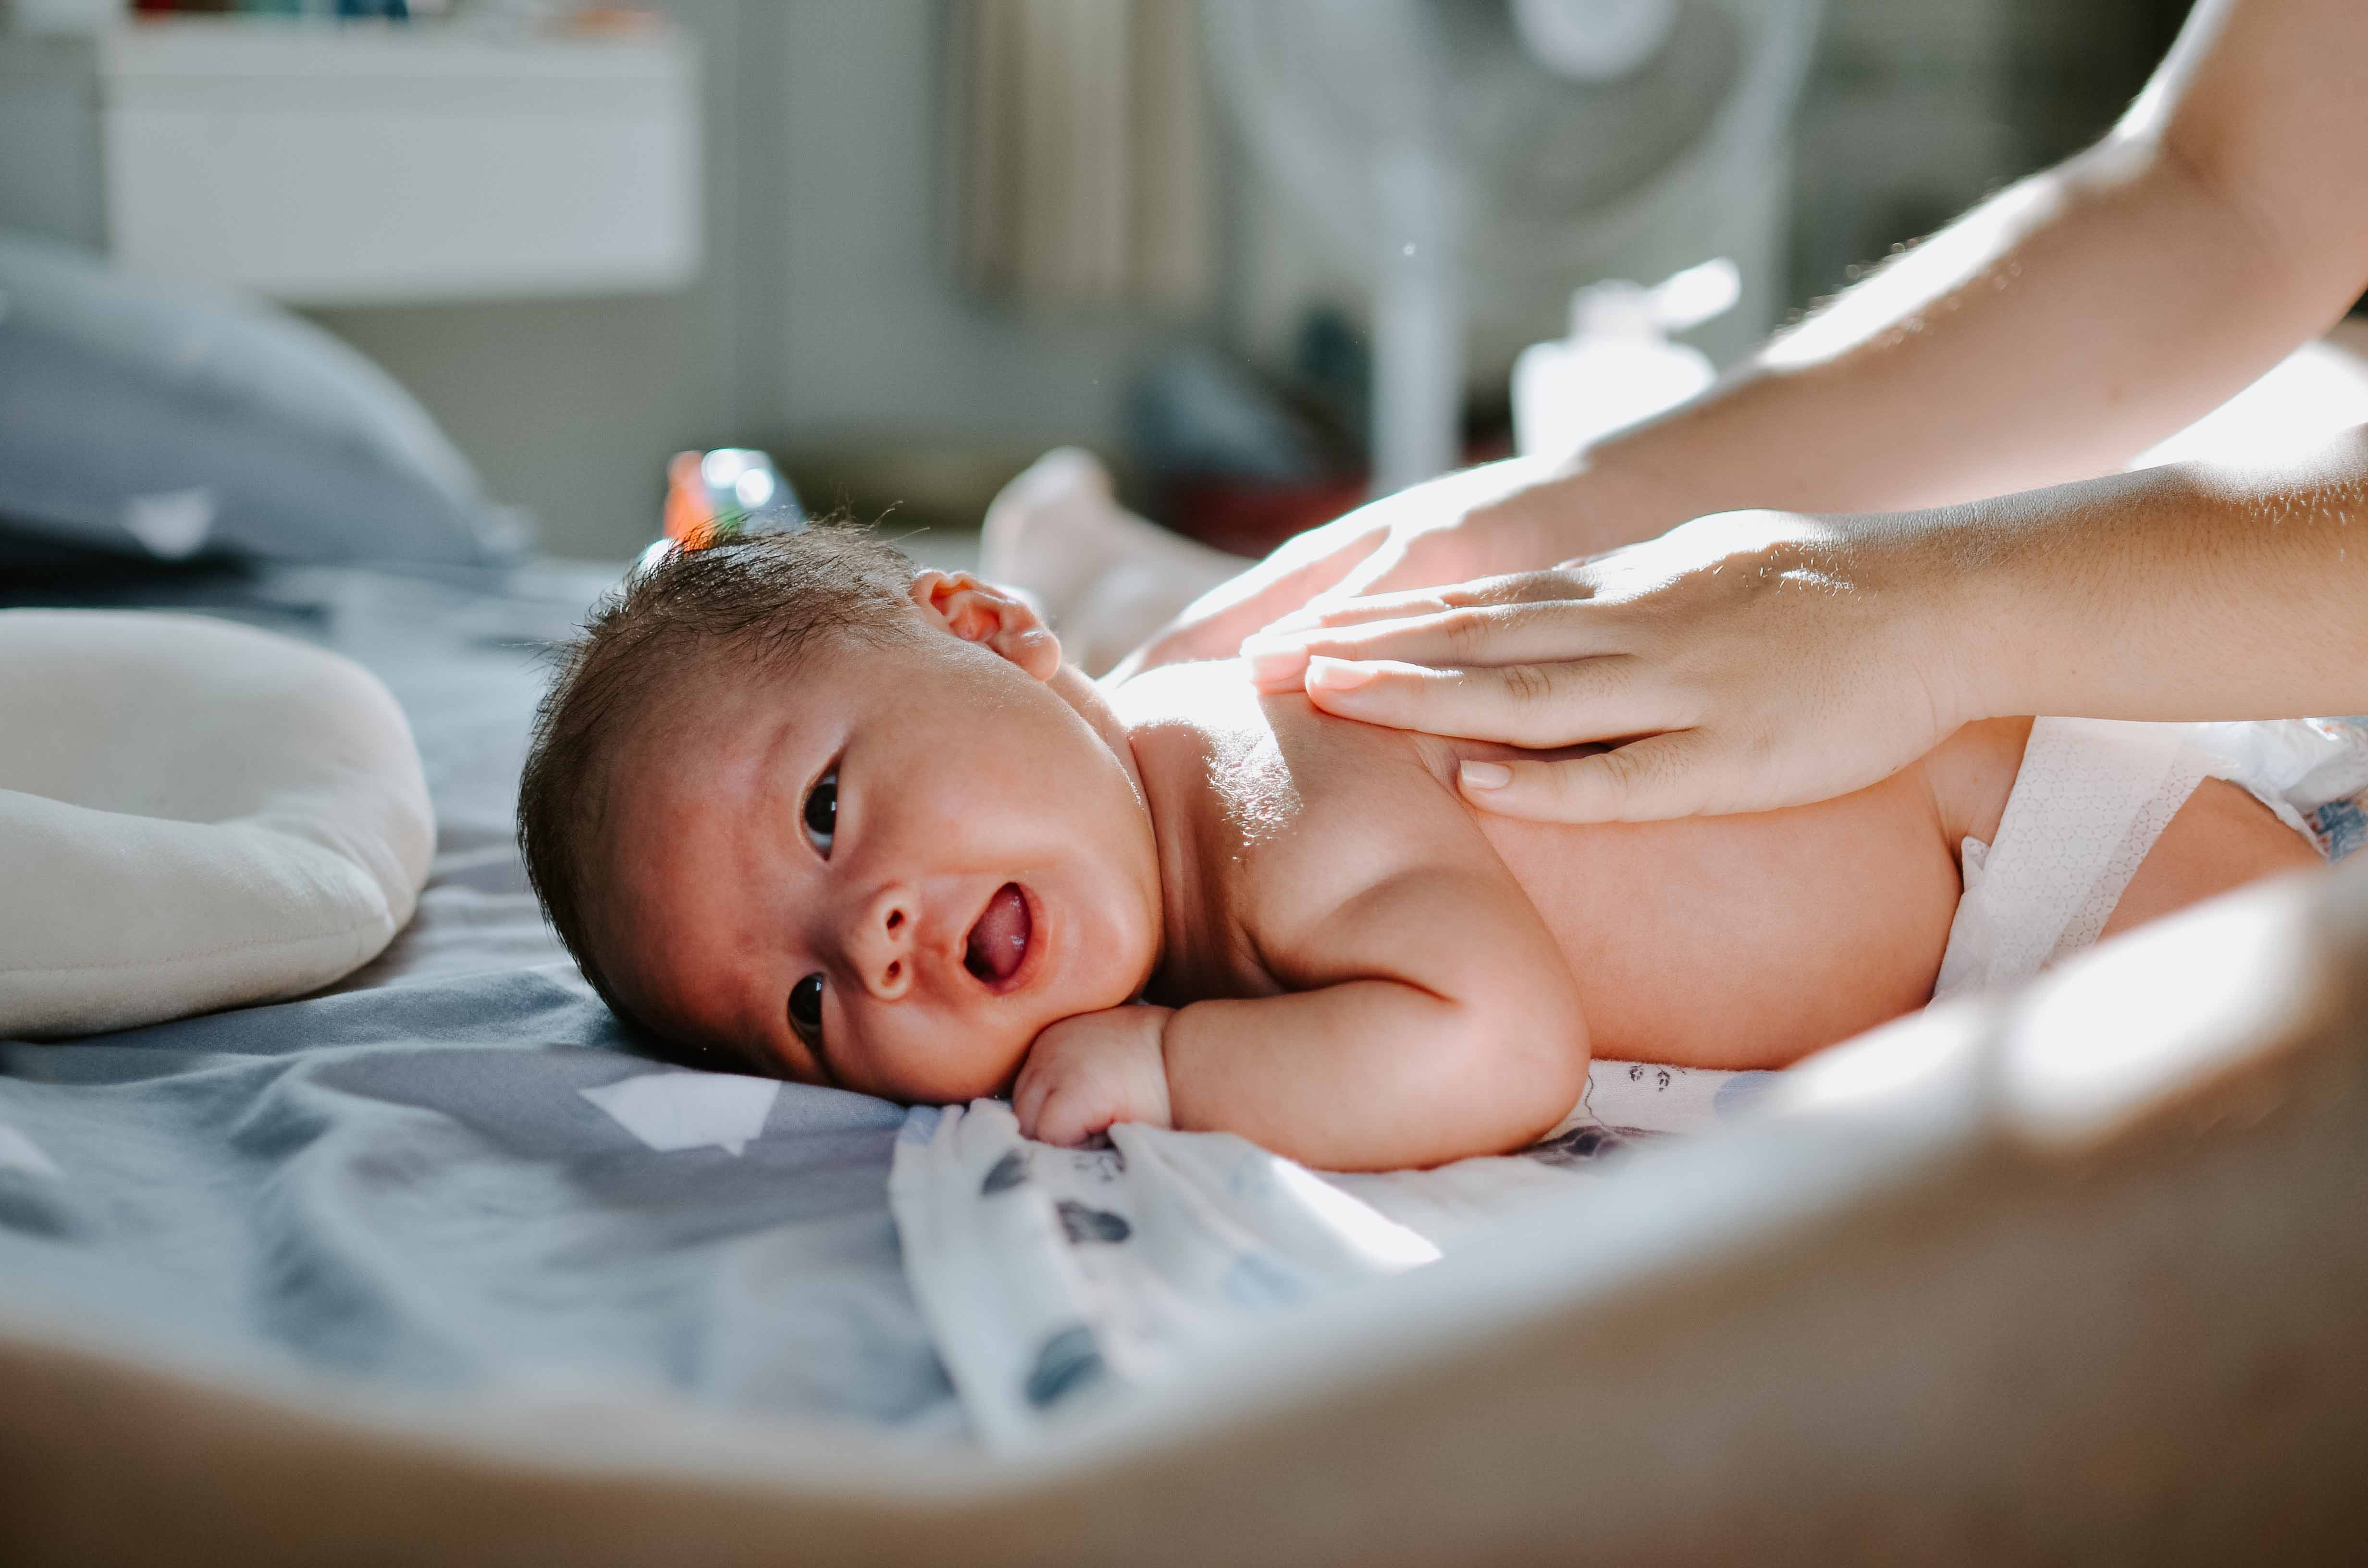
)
(453, 1171)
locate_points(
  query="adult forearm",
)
(2050, 334)
(2180, 593)
(2071, 321)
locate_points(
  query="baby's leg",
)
(1105, 578)
(2221, 839)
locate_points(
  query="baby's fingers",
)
(1069, 1118)
(1027, 1096)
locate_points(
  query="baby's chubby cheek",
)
(965, 1066)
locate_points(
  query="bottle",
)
(1618, 366)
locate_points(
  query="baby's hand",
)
(1085, 1073)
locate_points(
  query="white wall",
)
(873, 330)
(827, 325)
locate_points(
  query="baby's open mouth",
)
(999, 941)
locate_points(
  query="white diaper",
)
(2092, 798)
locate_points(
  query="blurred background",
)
(1262, 257)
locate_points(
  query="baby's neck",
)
(1186, 726)
(1072, 687)
(1172, 832)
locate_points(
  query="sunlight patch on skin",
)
(1898, 299)
(1261, 798)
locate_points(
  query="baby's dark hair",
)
(757, 603)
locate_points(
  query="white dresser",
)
(319, 164)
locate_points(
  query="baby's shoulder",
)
(1289, 814)
(1285, 778)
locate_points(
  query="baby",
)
(802, 810)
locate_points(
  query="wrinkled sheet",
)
(452, 1171)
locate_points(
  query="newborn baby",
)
(804, 812)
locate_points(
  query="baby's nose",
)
(881, 946)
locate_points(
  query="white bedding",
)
(1061, 1282)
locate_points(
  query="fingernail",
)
(1337, 675)
(1485, 774)
(1274, 659)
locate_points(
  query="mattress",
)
(445, 1173)
(372, 1275)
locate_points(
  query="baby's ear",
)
(996, 618)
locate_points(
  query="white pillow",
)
(193, 814)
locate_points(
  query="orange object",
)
(689, 513)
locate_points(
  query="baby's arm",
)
(1437, 1021)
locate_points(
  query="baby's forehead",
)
(718, 739)
(713, 693)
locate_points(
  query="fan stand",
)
(1417, 404)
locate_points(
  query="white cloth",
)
(2092, 798)
(1056, 1281)
(1054, 1278)
(193, 814)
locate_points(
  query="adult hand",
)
(1742, 661)
(1498, 517)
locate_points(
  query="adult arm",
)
(2049, 334)
(1769, 658)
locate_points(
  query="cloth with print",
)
(1059, 1281)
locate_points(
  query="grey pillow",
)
(160, 419)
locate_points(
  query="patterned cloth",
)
(1057, 1282)
(2340, 824)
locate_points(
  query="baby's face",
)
(890, 869)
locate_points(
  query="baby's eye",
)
(806, 1010)
(822, 813)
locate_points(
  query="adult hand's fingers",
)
(1564, 703)
(1543, 632)
(1324, 614)
(1214, 625)
(1497, 518)
(1331, 611)
(1662, 776)
(1764, 659)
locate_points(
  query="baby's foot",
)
(1058, 534)
(1054, 531)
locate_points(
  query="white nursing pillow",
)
(193, 814)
